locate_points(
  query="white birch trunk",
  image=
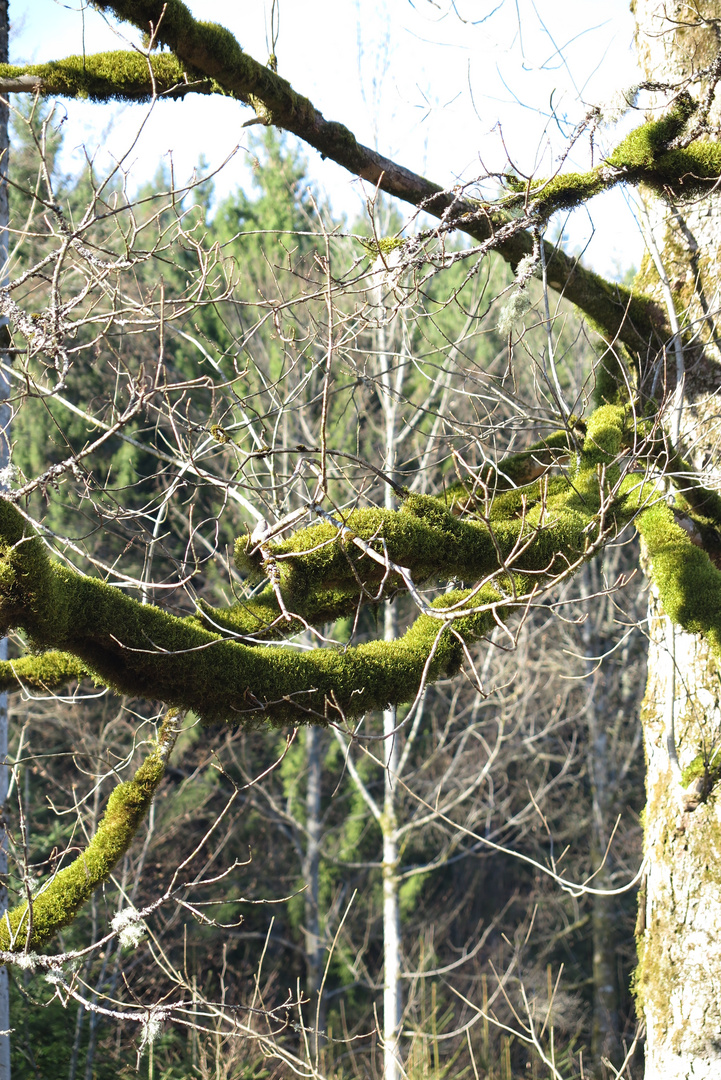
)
(389, 396)
(391, 908)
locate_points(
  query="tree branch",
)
(211, 52)
(30, 925)
(141, 650)
(116, 76)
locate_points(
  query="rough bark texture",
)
(5, 416)
(679, 929)
(680, 944)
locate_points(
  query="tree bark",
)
(679, 927)
(391, 885)
(605, 1031)
(392, 1001)
(5, 414)
(311, 871)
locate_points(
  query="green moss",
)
(141, 650)
(532, 535)
(605, 434)
(220, 434)
(701, 504)
(263, 619)
(59, 901)
(46, 672)
(566, 191)
(688, 172)
(641, 148)
(688, 582)
(698, 768)
(121, 76)
(518, 470)
(210, 51)
(425, 536)
(644, 156)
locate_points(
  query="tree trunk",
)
(605, 1035)
(389, 395)
(311, 869)
(679, 928)
(391, 884)
(4, 463)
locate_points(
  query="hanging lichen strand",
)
(529, 538)
(32, 924)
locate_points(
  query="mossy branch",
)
(118, 76)
(689, 584)
(678, 173)
(141, 650)
(41, 674)
(535, 534)
(209, 51)
(425, 537)
(31, 925)
(323, 575)
(517, 470)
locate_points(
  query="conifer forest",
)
(360, 578)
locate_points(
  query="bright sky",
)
(449, 88)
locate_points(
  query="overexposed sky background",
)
(448, 88)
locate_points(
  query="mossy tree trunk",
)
(679, 929)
